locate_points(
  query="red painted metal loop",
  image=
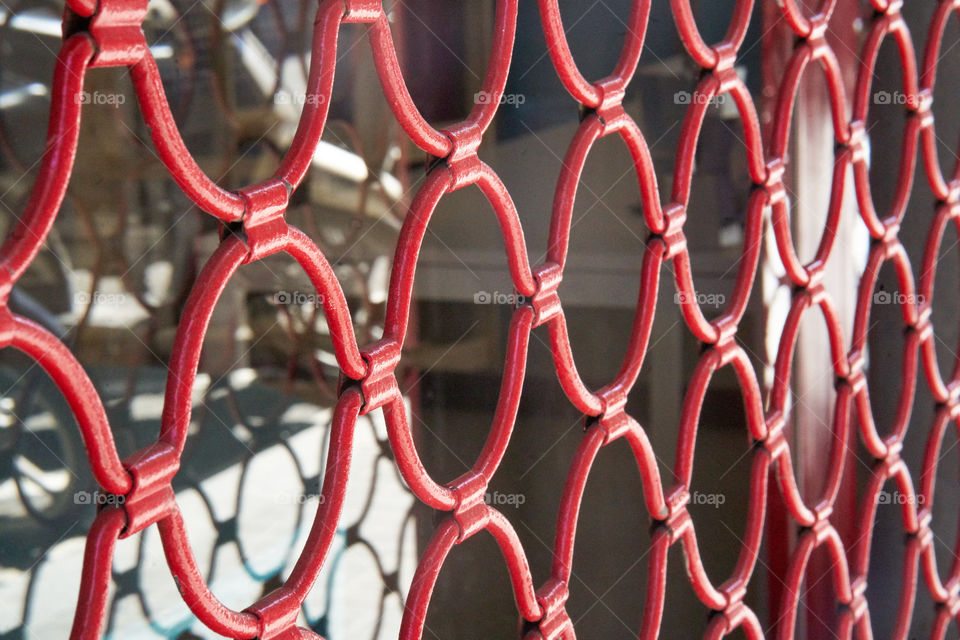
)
(779, 412)
(940, 386)
(942, 590)
(733, 618)
(884, 25)
(150, 499)
(812, 26)
(724, 327)
(196, 594)
(172, 150)
(277, 612)
(802, 274)
(705, 55)
(271, 615)
(711, 360)
(91, 611)
(592, 129)
(889, 7)
(724, 83)
(872, 500)
(210, 284)
(710, 87)
(822, 535)
(555, 622)
(928, 77)
(731, 592)
(590, 402)
(444, 538)
(595, 438)
(323, 61)
(398, 97)
(594, 94)
(906, 299)
(546, 300)
(63, 131)
(401, 438)
(57, 362)
(440, 181)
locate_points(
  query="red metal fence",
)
(108, 33)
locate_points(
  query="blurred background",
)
(127, 246)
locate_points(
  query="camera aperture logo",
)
(493, 97)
